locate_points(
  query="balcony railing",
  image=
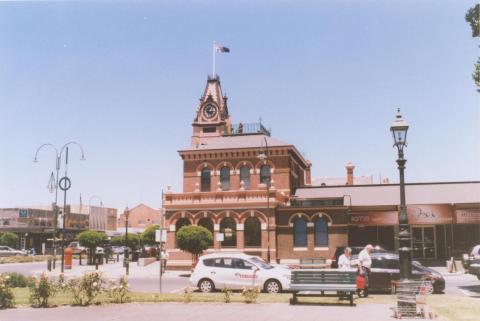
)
(246, 129)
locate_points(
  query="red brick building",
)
(254, 193)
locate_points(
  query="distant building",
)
(36, 225)
(140, 217)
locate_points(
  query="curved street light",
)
(58, 159)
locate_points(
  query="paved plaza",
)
(205, 311)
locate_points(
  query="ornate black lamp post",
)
(399, 130)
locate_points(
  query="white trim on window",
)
(300, 249)
(322, 248)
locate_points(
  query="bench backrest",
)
(323, 277)
(320, 260)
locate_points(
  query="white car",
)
(238, 270)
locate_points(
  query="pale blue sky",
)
(124, 78)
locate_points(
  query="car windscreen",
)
(261, 263)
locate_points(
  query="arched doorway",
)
(253, 232)
(228, 227)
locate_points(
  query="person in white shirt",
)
(344, 262)
(365, 262)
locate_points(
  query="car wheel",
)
(273, 286)
(206, 285)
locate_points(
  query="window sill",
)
(300, 249)
(321, 248)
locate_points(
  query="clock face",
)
(209, 111)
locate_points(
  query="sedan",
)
(386, 268)
(8, 251)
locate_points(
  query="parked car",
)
(118, 249)
(386, 268)
(8, 251)
(467, 258)
(236, 271)
(474, 268)
(355, 251)
(77, 249)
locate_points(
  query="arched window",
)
(253, 232)
(206, 180)
(225, 178)
(299, 232)
(207, 223)
(265, 174)
(321, 232)
(229, 229)
(245, 176)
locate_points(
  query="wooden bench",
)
(328, 283)
(313, 263)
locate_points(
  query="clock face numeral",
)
(209, 111)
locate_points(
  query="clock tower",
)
(212, 118)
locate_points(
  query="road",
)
(147, 280)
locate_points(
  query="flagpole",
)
(213, 66)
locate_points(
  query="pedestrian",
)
(163, 259)
(365, 264)
(344, 261)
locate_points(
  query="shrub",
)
(250, 295)
(148, 236)
(119, 293)
(85, 289)
(227, 295)
(9, 239)
(194, 239)
(187, 294)
(6, 295)
(17, 280)
(41, 290)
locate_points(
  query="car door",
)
(244, 273)
(223, 275)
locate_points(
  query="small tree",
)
(132, 242)
(91, 239)
(149, 234)
(117, 241)
(9, 239)
(194, 239)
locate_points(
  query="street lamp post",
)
(58, 159)
(125, 254)
(263, 156)
(399, 130)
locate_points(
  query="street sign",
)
(161, 235)
(220, 237)
(65, 183)
(23, 213)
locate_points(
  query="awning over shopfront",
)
(417, 215)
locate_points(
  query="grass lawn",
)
(448, 308)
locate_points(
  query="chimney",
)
(349, 168)
(308, 174)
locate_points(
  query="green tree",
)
(117, 241)
(148, 236)
(193, 239)
(91, 239)
(9, 239)
(473, 18)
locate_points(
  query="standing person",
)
(163, 259)
(344, 261)
(365, 264)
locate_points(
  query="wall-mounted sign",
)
(23, 213)
(374, 218)
(220, 237)
(430, 214)
(468, 216)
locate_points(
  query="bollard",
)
(80, 259)
(96, 261)
(118, 257)
(49, 264)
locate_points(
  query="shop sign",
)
(374, 218)
(468, 216)
(430, 214)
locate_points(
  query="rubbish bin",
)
(49, 264)
(68, 258)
